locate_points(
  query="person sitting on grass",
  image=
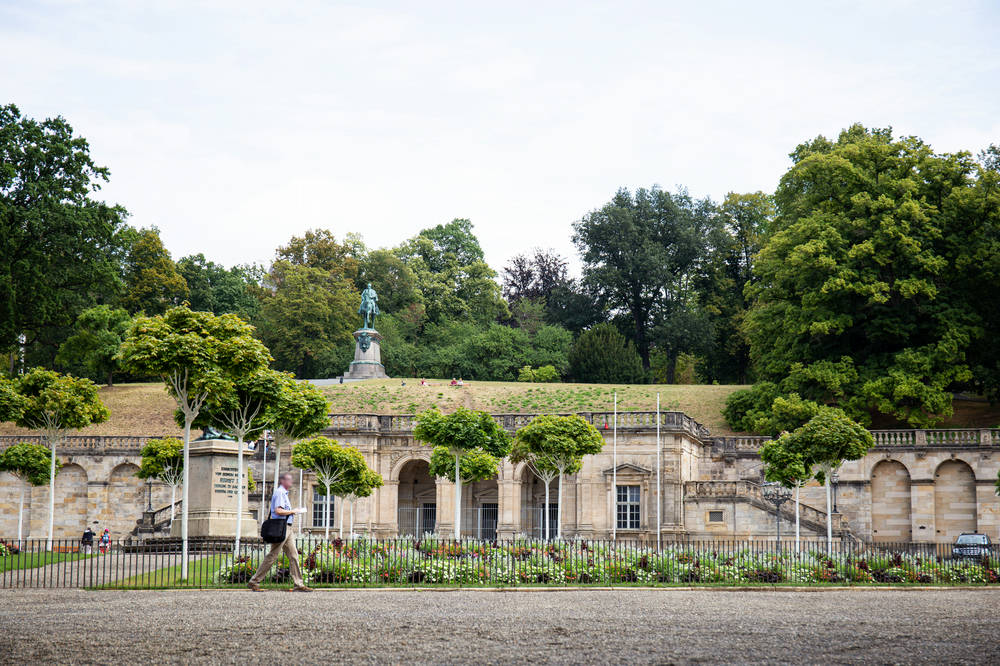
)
(453, 382)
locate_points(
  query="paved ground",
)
(40, 626)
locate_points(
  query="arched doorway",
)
(891, 502)
(416, 499)
(954, 500)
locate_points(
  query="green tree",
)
(330, 463)
(60, 247)
(858, 301)
(319, 249)
(55, 404)
(733, 246)
(462, 432)
(243, 411)
(354, 487)
(640, 252)
(299, 410)
(152, 282)
(98, 334)
(823, 444)
(307, 317)
(558, 442)
(197, 355)
(33, 465)
(603, 355)
(788, 467)
(216, 289)
(163, 460)
(394, 281)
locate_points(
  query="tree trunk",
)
(559, 509)
(351, 530)
(545, 510)
(326, 532)
(239, 494)
(672, 369)
(458, 499)
(111, 378)
(829, 516)
(185, 503)
(173, 501)
(797, 549)
(340, 527)
(52, 494)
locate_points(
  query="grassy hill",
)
(146, 409)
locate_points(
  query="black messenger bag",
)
(272, 530)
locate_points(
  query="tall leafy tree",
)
(309, 316)
(542, 464)
(98, 334)
(30, 463)
(354, 487)
(858, 301)
(54, 405)
(787, 466)
(152, 282)
(558, 442)
(60, 246)
(299, 410)
(603, 355)
(462, 433)
(163, 460)
(330, 463)
(197, 355)
(243, 411)
(823, 444)
(319, 249)
(640, 252)
(220, 290)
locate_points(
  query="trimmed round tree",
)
(163, 460)
(330, 463)
(559, 442)
(786, 466)
(243, 411)
(826, 441)
(462, 432)
(299, 410)
(54, 405)
(30, 463)
(197, 355)
(354, 486)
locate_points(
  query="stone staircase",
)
(154, 524)
(810, 517)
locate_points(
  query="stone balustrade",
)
(749, 490)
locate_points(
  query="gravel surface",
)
(588, 626)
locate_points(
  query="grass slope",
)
(146, 409)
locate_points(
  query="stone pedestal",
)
(367, 363)
(212, 493)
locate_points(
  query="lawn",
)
(32, 560)
(146, 409)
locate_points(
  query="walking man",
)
(88, 541)
(281, 507)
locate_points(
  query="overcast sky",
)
(233, 125)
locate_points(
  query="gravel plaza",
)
(486, 626)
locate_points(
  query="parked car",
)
(971, 545)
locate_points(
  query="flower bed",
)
(438, 562)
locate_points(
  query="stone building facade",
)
(914, 485)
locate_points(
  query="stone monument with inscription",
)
(212, 495)
(367, 363)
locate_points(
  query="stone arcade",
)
(914, 485)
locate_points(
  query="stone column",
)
(987, 509)
(387, 508)
(509, 499)
(212, 495)
(446, 506)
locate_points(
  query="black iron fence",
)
(417, 561)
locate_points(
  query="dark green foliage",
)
(745, 406)
(603, 355)
(60, 247)
(217, 289)
(98, 334)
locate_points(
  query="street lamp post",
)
(149, 494)
(834, 480)
(777, 494)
